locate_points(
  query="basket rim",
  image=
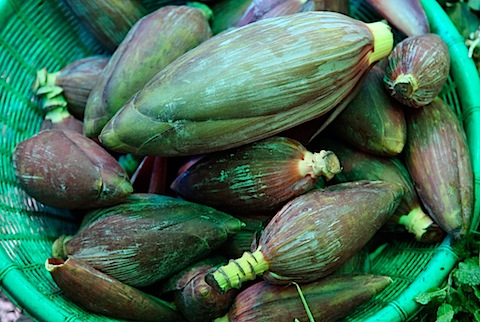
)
(444, 259)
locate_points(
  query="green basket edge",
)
(36, 305)
(444, 260)
(13, 281)
(404, 305)
(462, 68)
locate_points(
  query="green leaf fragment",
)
(468, 272)
(476, 291)
(474, 4)
(462, 18)
(433, 295)
(129, 163)
(468, 302)
(445, 313)
(459, 300)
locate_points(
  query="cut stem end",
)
(417, 223)
(405, 85)
(323, 163)
(232, 275)
(382, 41)
(52, 264)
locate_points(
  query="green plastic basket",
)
(36, 34)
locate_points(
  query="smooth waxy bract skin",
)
(194, 298)
(70, 86)
(78, 79)
(230, 90)
(360, 165)
(373, 121)
(262, 9)
(107, 20)
(407, 16)
(315, 233)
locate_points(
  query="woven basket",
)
(36, 34)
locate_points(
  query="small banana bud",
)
(256, 178)
(313, 235)
(67, 170)
(99, 293)
(314, 301)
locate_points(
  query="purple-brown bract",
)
(102, 294)
(407, 16)
(313, 234)
(67, 170)
(147, 237)
(373, 121)
(255, 178)
(152, 43)
(329, 299)
(230, 90)
(417, 69)
(439, 161)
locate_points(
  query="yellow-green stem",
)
(382, 41)
(304, 302)
(233, 274)
(222, 319)
(323, 163)
(58, 114)
(416, 222)
(58, 246)
(206, 11)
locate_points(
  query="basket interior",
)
(36, 34)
